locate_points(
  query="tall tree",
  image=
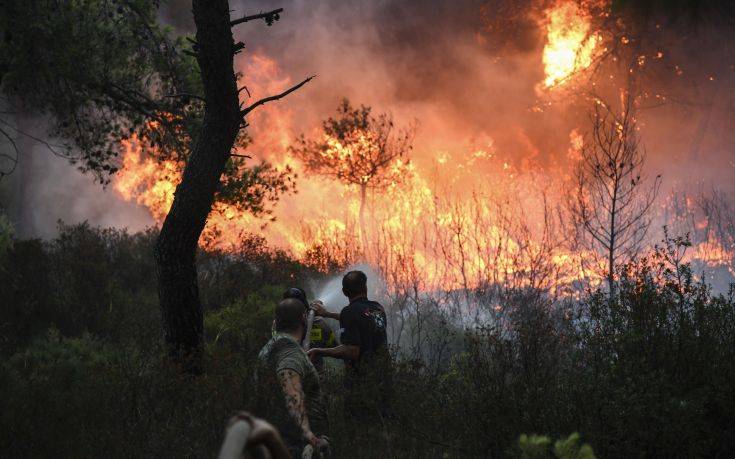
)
(175, 251)
(610, 206)
(358, 149)
(102, 71)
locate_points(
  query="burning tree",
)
(610, 207)
(358, 149)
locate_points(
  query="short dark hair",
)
(296, 293)
(289, 314)
(354, 283)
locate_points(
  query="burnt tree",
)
(175, 251)
(358, 149)
(610, 206)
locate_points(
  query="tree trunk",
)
(175, 251)
(613, 240)
(363, 199)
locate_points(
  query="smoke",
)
(469, 71)
(330, 293)
(45, 189)
(418, 60)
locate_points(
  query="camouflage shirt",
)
(283, 352)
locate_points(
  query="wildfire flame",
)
(570, 44)
(440, 227)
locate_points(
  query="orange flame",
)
(570, 45)
(442, 227)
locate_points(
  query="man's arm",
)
(247, 432)
(321, 311)
(343, 351)
(296, 402)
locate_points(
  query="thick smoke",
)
(468, 71)
(45, 189)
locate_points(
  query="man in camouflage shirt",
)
(302, 418)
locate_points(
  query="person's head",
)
(290, 315)
(297, 294)
(354, 284)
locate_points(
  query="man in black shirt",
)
(363, 346)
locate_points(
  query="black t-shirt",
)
(363, 324)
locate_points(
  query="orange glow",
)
(462, 216)
(570, 44)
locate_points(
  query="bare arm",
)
(249, 433)
(321, 311)
(296, 401)
(343, 351)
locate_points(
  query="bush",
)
(650, 372)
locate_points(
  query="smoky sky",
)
(467, 71)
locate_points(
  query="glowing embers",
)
(570, 44)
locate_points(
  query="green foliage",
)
(534, 446)
(245, 325)
(6, 234)
(537, 447)
(80, 397)
(650, 374)
(102, 70)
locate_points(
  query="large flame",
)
(443, 226)
(570, 43)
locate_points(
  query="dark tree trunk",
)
(175, 250)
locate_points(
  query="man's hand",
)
(261, 436)
(343, 351)
(318, 308)
(321, 311)
(263, 432)
(314, 354)
(319, 443)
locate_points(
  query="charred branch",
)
(244, 112)
(186, 95)
(270, 17)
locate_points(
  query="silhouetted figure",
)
(363, 348)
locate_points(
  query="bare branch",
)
(265, 100)
(51, 147)
(186, 94)
(15, 159)
(268, 17)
